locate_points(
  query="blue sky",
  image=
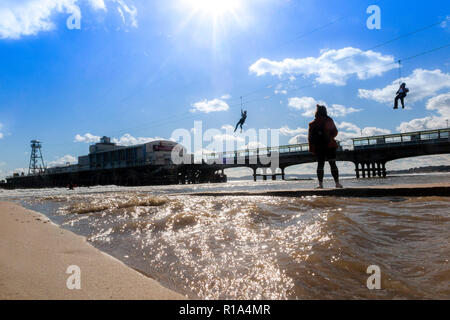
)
(137, 70)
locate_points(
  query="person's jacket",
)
(329, 128)
(402, 90)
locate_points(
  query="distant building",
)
(108, 155)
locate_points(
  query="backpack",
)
(319, 136)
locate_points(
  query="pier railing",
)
(209, 157)
(419, 137)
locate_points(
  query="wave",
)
(109, 204)
(264, 247)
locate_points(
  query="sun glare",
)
(213, 8)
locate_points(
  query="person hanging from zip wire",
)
(401, 94)
(242, 120)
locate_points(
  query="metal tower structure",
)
(36, 166)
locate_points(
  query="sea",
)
(264, 247)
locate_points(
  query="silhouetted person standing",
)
(242, 121)
(321, 134)
(401, 94)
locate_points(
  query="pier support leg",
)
(254, 174)
(374, 170)
(274, 177)
(363, 168)
(383, 168)
(368, 170)
(282, 174)
(379, 169)
(357, 170)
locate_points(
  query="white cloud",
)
(348, 130)
(300, 135)
(29, 17)
(24, 18)
(8, 173)
(439, 104)
(207, 106)
(227, 137)
(254, 145)
(299, 139)
(128, 140)
(421, 83)
(426, 123)
(1, 134)
(87, 138)
(125, 140)
(62, 161)
(331, 67)
(286, 131)
(308, 106)
(98, 4)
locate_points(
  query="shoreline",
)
(407, 190)
(35, 254)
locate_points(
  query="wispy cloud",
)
(1, 134)
(30, 17)
(331, 67)
(129, 10)
(308, 106)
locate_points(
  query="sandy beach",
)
(35, 255)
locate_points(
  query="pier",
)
(150, 164)
(368, 154)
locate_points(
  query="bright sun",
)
(213, 8)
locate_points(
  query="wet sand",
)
(35, 254)
(410, 190)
